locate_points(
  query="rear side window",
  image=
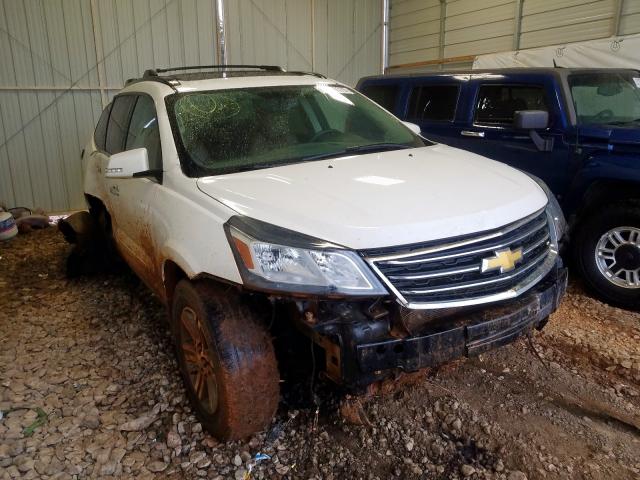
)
(119, 122)
(434, 102)
(144, 131)
(100, 135)
(383, 95)
(497, 103)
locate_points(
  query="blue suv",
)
(576, 129)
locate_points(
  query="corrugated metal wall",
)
(53, 86)
(478, 27)
(339, 38)
(414, 31)
(630, 18)
(432, 30)
(45, 47)
(562, 21)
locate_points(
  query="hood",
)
(623, 135)
(383, 199)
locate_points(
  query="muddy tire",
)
(607, 253)
(226, 359)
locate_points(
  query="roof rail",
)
(155, 72)
(300, 72)
(172, 80)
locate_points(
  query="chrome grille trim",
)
(456, 255)
(536, 245)
(449, 275)
(442, 273)
(517, 273)
(461, 243)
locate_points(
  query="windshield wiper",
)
(378, 147)
(373, 147)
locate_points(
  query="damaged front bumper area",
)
(364, 345)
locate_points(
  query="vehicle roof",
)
(555, 71)
(217, 77)
(202, 81)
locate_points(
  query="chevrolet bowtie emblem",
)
(505, 260)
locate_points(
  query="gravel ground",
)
(89, 388)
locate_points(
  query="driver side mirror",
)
(530, 119)
(413, 127)
(128, 164)
(533, 120)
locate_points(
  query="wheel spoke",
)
(615, 238)
(634, 237)
(607, 254)
(200, 383)
(189, 321)
(190, 354)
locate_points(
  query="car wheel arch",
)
(602, 192)
(172, 273)
(94, 202)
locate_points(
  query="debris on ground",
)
(8, 227)
(27, 220)
(95, 356)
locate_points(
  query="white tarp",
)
(615, 52)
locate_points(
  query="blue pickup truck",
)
(576, 129)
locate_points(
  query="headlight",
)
(553, 209)
(276, 259)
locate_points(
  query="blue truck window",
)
(497, 104)
(434, 102)
(383, 95)
(611, 98)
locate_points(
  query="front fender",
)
(194, 266)
(171, 252)
(602, 168)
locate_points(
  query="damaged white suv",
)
(253, 200)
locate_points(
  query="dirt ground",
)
(89, 388)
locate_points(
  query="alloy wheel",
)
(618, 256)
(198, 355)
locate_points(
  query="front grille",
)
(439, 274)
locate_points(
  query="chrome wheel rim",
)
(197, 355)
(618, 256)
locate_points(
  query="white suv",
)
(250, 199)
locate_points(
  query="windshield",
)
(226, 131)
(606, 98)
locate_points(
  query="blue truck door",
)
(434, 104)
(489, 129)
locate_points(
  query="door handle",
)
(469, 133)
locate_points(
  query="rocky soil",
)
(89, 388)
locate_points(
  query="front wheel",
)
(226, 359)
(607, 253)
